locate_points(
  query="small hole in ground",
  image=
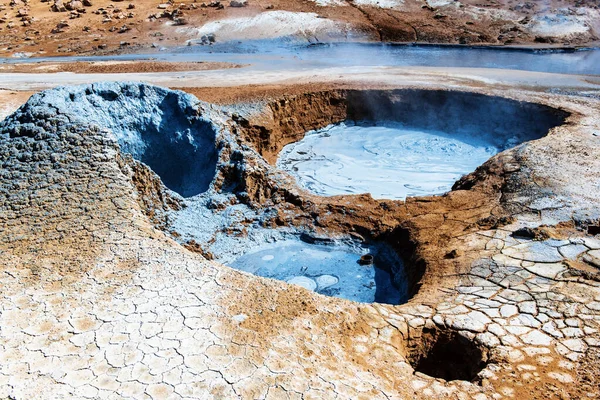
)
(448, 355)
(594, 229)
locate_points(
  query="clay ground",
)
(100, 300)
(30, 28)
(491, 300)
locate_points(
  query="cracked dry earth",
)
(99, 298)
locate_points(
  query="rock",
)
(60, 27)
(58, 6)
(529, 233)
(207, 39)
(238, 3)
(366, 259)
(74, 5)
(454, 254)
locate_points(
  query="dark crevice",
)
(448, 355)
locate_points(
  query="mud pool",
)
(331, 270)
(388, 161)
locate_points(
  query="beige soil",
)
(11, 100)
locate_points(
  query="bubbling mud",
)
(333, 269)
(395, 144)
(387, 161)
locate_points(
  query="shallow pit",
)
(331, 268)
(394, 143)
(447, 355)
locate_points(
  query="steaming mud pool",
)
(388, 161)
(330, 269)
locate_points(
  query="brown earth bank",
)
(113, 67)
(427, 231)
(67, 27)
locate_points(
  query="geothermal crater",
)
(404, 143)
(476, 293)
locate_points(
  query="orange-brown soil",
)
(114, 67)
(31, 28)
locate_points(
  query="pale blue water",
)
(331, 270)
(389, 162)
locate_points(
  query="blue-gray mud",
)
(158, 127)
(331, 269)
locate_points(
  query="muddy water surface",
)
(389, 162)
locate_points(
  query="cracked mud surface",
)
(100, 299)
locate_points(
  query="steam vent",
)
(299, 228)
